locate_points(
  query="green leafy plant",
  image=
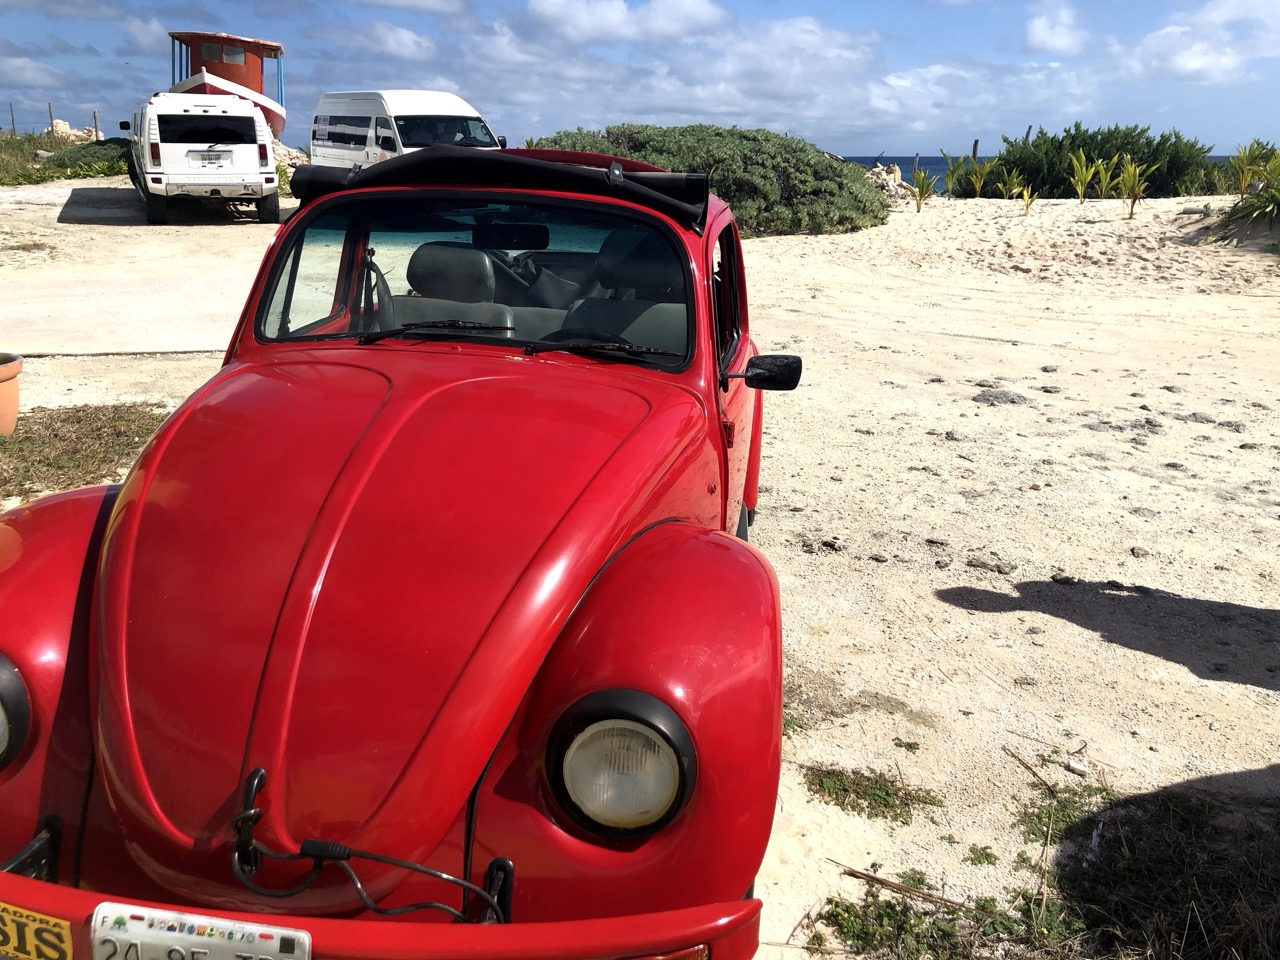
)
(1180, 166)
(981, 856)
(1132, 181)
(775, 184)
(1106, 175)
(1082, 172)
(870, 793)
(951, 176)
(1011, 184)
(1249, 165)
(1028, 198)
(921, 187)
(979, 171)
(1264, 204)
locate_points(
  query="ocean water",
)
(930, 163)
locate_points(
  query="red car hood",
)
(347, 574)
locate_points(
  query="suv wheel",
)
(269, 209)
(157, 209)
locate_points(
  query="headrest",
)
(643, 261)
(451, 273)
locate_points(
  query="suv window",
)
(199, 128)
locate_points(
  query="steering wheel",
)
(513, 268)
(584, 333)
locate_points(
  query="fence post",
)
(97, 134)
(13, 123)
(50, 118)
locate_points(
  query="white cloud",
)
(393, 41)
(1216, 44)
(24, 72)
(1053, 29)
(147, 35)
(613, 21)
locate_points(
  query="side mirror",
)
(502, 142)
(779, 371)
(387, 144)
(124, 124)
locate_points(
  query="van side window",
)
(349, 131)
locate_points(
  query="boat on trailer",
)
(222, 63)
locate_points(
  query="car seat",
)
(452, 283)
(642, 293)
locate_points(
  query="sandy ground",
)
(1026, 500)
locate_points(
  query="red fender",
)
(692, 617)
(48, 560)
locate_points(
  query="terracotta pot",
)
(10, 366)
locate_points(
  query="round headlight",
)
(621, 763)
(621, 774)
(15, 712)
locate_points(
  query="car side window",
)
(726, 272)
(307, 292)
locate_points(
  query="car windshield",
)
(419, 131)
(490, 269)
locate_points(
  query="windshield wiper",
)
(592, 346)
(377, 335)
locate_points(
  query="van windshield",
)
(188, 128)
(419, 131)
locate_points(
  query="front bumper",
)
(728, 931)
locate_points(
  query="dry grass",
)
(58, 449)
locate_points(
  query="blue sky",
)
(853, 76)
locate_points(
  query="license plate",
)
(32, 936)
(207, 159)
(123, 931)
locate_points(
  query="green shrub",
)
(775, 184)
(1177, 166)
(19, 163)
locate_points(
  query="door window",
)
(726, 275)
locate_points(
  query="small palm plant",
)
(1247, 166)
(955, 170)
(921, 187)
(1011, 184)
(1132, 182)
(1106, 175)
(1082, 172)
(530, 142)
(979, 171)
(1028, 198)
(1256, 206)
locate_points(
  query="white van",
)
(205, 146)
(354, 128)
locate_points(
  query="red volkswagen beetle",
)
(427, 628)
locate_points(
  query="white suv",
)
(206, 146)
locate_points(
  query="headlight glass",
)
(15, 712)
(621, 774)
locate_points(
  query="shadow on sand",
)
(121, 206)
(1189, 872)
(1214, 640)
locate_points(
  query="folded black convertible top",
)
(681, 196)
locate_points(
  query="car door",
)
(736, 403)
